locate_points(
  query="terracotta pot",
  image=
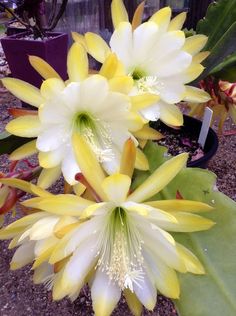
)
(52, 49)
(193, 126)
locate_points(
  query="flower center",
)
(121, 253)
(138, 74)
(150, 84)
(97, 133)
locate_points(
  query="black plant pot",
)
(193, 127)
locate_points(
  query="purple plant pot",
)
(52, 49)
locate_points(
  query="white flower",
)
(91, 105)
(158, 57)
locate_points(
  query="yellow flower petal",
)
(148, 133)
(59, 290)
(24, 151)
(193, 94)
(194, 44)
(19, 226)
(79, 188)
(72, 204)
(142, 101)
(25, 126)
(141, 161)
(48, 159)
(116, 187)
(170, 114)
(105, 294)
(97, 47)
(191, 262)
(181, 205)
(17, 183)
(159, 179)
(108, 68)
(24, 91)
(66, 229)
(162, 18)
(48, 176)
(177, 22)
(128, 158)
(51, 87)
(187, 222)
(43, 68)
(118, 13)
(63, 222)
(138, 15)
(9, 234)
(165, 278)
(39, 191)
(77, 63)
(79, 38)
(42, 257)
(142, 143)
(122, 84)
(4, 191)
(193, 72)
(88, 164)
(134, 304)
(197, 59)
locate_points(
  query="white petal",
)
(80, 264)
(70, 167)
(161, 243)
(72, 240)
(151, 113)
(54, 111)
(71, 96)
(42, 273)
(121, 43)
(144, 40)
(93, 92)
(171, 91)
(167, 43)
(105, 294)
(170, 64)
(43, 228)
(146, 292)
(52, 158)
(53, 137)
(23, 255)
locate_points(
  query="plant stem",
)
(58, 16)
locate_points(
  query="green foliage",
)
(220, 27)
(212, 294)
(227, 69)
(9, 142)
(219, 18)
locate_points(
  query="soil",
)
(20, 297)
(179, 140)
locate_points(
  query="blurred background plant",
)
(32, 14)
(219, 76)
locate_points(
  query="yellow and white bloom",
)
(96, 106)
(122, 241)
(157, 56)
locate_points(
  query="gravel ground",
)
(18, 295)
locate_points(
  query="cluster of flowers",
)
(92, 129)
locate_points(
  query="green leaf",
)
(219, 18)
(224, 47)
(226, 70)
(228, 62)
(212, 294)
(9, 142)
